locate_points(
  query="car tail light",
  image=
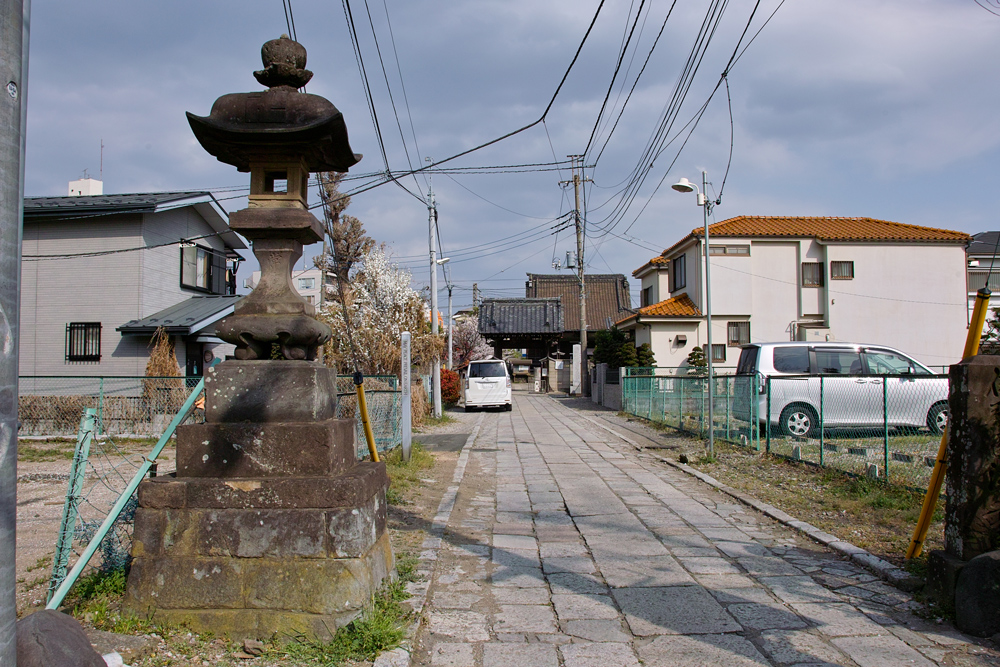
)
(508, 382)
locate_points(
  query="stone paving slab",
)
(561, 545)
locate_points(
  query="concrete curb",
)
(431, 545)
(885, 570)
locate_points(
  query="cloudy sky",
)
(880, 108)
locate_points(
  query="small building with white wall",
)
(856, 280)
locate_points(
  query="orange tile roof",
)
(656, 262)
(679, 306)
(830, 229)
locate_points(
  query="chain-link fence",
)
(884, 426)
(681, 402)
(99, 474)
(384, 401)
(124, 406)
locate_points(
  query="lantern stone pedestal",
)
(965, 576)
(269, 526)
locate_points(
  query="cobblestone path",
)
(565, 546)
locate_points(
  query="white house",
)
(806, 278)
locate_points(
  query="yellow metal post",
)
(359, 382)
(941, 464)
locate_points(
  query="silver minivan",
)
(485, 384)
(845, 384)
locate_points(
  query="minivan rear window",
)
(493, 369)
(747, 364)
(791, 359)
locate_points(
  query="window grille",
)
(739, 334)
(83, 341)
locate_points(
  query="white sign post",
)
(405, 421)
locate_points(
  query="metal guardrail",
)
(884, 426)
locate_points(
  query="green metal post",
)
(140, 474)
(67, 528)
(885, 426)
(100, 405)
(729, 402)
(680, 405)
(822, 424)
(767, 417)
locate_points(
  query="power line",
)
(508, 135)
(102, 253)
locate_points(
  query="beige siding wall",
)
(110, 289)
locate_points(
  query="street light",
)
(684, 185)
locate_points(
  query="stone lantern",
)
(270, 524)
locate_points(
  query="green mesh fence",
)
(681, 402)
(884, 426)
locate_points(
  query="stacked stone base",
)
(267, 528)
(258, 557)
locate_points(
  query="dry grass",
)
(867, 513)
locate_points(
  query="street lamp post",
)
(684, 185)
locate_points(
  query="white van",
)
(862, 386)
(485, 384)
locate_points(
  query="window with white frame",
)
(842, 270)
(738, 334)
(812, 274)
(307, 283)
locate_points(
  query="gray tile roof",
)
(185, 318)
(984, 243)
(608, 299)
(520, 316)
(41, 207)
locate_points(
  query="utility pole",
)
(475, 295)
(14, 23)
(451, 365)
(432, 215)
(580, 237)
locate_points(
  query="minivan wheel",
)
(508, 407)
(798, 420)
(937, 417)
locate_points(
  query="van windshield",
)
(492, 369)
